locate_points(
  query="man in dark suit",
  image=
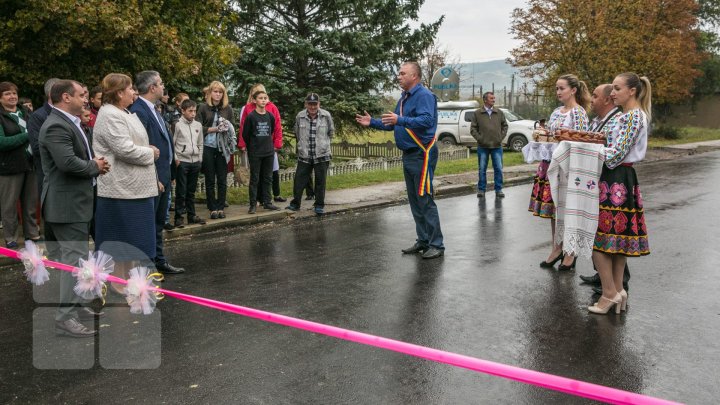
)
(67, 197)
(36, 121)
(150, 87)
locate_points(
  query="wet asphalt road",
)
(487, 298)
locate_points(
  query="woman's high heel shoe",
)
(563, 267)
(615, 302)
(552, 262)
(623, 303)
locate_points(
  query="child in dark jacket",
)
(258, 137)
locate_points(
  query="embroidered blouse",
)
(627, 143)
(576, 119)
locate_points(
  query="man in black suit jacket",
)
(37, 119)
(67, 197)
(150, 87)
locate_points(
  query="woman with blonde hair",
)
(622, 232)
(575, 97)
(216, 117)
(125, 212)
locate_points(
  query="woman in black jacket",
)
(216, 117)
(17, 178)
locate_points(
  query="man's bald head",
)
(600, 102)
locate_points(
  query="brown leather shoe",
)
(87, 314)
(73, 328)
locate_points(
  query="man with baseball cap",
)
(314, 130)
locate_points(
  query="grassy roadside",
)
(344, 181)
(687, 135)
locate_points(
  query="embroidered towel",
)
(535, 151)
(574, 175)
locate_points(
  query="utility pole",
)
(512, 90)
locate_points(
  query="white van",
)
(454, 125)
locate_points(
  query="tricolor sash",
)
(425, 180)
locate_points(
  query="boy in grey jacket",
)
(188, 142)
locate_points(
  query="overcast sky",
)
(473, 30)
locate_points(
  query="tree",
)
(435, 57)
(345, 50)
(599, 39)
(85, 41)
(709, 42)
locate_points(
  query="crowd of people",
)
(622, 113)
(102, 162)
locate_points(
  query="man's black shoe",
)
(597, 290)
(499, 194)
(481, 194)
(416, 248)
(87, 314)
(271, 207)
(594, 279)
(168, 227)
(196, 220)
(433, 253)
(167, 268)
(292, 207)
(179, 222)
(73, 328)
(279, 199)
(251, 210)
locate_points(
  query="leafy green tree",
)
(344, 50)
(86, 40)
(709, 42)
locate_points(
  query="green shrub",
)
(666, 132)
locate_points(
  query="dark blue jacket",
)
(157, 138)
(419, 113)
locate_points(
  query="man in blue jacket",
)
(414, 122)
(150, 87)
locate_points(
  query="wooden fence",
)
(368, 150)
(354, 166)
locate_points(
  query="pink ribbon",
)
(549, 381)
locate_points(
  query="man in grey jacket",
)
(489, 127)
(67, 197)
(314, 130)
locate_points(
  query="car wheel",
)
(517, 142)
(446, 141)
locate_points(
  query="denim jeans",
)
(497, 161)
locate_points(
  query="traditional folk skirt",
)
(621, 225)
(541, 202)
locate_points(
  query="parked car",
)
(454, 119)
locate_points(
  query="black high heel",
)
(552, 262)
(563, 267)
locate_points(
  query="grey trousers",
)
(22, 187)
(67, 243)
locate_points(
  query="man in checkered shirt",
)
(314, 130)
